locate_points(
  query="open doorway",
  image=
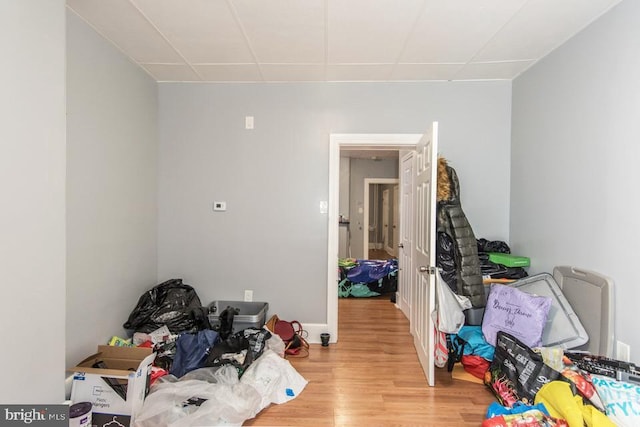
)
(365, 175)
(374, 143)
(381, 216)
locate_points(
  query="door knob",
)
(401, 246)
(423, 269)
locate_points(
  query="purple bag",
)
(520, 314)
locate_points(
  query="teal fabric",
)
(476, 344)
(359, 290)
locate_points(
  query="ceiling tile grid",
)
(337, 40)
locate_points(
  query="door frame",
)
(336, 142)
(365, 221)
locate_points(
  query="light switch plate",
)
(248, 122)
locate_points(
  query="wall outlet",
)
(248, 295)
(623, 351)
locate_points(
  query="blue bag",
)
(496, 409)
(191, 351)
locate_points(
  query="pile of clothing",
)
(367, 277)
(203, 376)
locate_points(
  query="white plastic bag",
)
(225, 401)
(448, 315)
(275, 344)
(274, 378)
(223, 398)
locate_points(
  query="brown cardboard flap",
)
(120, 361)
(115, 352)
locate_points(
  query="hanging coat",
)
(453, 222)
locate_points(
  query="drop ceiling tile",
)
(121, 23)
(425, 71)
(358, 72)
(455, 30)
(541, 26)
(171, 72)
(359, 40)
(203, 31)
(229, 72)
(492, 70)
(284, 31)
(293, 72)
(369, 31)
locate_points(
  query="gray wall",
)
(272, 238)
(111, 189)
(361, 169)
(32, 225)
(575, 159)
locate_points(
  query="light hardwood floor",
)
(372, 377)
(379, 254)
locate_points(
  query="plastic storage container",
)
(251, 315)
(509, 260)
(591, 296)
(563, 328)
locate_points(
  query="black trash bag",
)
(510, 273)
(446, 261)
(492, 269)
(485, 245)
(170, 303)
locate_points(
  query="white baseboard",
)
(314, 330)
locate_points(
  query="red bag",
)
(475, 365)
(292, 334)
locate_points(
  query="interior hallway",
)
(379, 254)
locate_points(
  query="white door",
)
(424, 254)
(405, 248)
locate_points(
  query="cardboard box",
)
(117, 390)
